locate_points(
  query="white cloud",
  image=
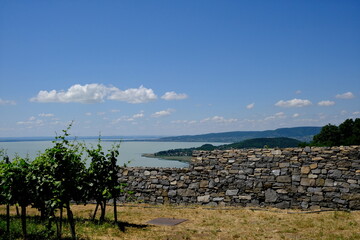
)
(298, 92)
(184, 122)
(88, 93)
(88, 114)
(138, 115)
(276, 116)
(31, 122)
(174, 96)
(347, 95)
(219, 119)
(295, 115)
(326, 103)
(128, 118)
(133, 95)
(115, 110)
(95, 93)
(46, 115)
(356, 113)
(250, 106)
(7, 102)
(162, 113)
(293, 103)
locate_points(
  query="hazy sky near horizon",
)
(176, 67)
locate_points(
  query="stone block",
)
(204, 199)
(334, 173)
(317, 198)
(283, 179)
(284, 165)
(295, 178)
(195, 185)
(276, 172)
(164, 182)
(352, 196)
(172, 193)
(312, 176)
(329, 183)
(204, 184)
(313, 166)
(276, 152)
(307, 149)
(198, 168)
(354, 205)
(218, 199)
(283, 205)
(282, 191)
(231, 192)
(270, 195)
(304, 205)
(305, 170)
(245, 197)
(307, 182)
(314, 189)
(320, 182)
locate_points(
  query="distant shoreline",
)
(186, 159)
(103, 138)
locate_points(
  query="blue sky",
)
(176, 67)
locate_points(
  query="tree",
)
(65, 177)
(328, 136)
(103, 179)
(348, 133)
(15, 187)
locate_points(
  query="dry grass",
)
(217, 223)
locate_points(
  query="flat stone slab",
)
(166, 221)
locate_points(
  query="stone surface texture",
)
(302, 178)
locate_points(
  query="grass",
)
(202, 223)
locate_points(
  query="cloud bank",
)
(174, 96)
(7, 102)
(162, 113)
(88, 93)
(347, 95)
(97, 93)
(326, 103)
(133, 95)
(293, 103)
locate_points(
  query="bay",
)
(129, 151)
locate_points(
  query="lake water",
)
(129, 151)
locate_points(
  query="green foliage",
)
(57, 177)
(102, 176)
(347, 133)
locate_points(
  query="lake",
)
(129, 151)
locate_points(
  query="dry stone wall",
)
(304, 178)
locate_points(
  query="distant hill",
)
(280, 142)
(304, 134)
